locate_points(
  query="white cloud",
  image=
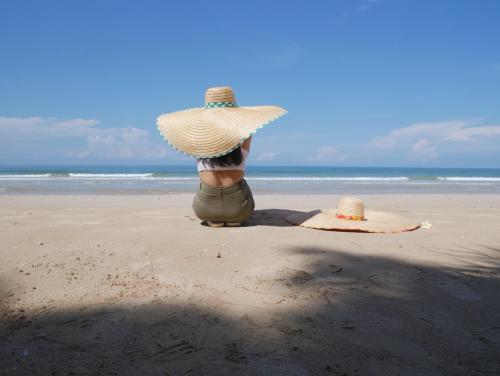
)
(422, 140)
(326, 153)
(73, 123)
(474, 133)
(37, 126)
(6, 123)
(448, 130)
(423, 150)
(125, 143)
(429, 130)
(80, 139)
(266, 156)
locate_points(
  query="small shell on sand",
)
(426, 225)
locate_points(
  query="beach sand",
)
(133, 285)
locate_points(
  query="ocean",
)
(262, 179)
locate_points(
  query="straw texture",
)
(374, 221)
(216, 129)
(351, 208)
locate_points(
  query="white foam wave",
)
(179, 179)
(109, 176)
(24, 176)
(470, 178)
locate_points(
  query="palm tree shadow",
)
(341, 313)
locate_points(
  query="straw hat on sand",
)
(217, 128)
(351, 215)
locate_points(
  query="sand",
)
(133, 285)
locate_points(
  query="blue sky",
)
(366, 82)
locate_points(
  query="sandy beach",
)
(133, 284)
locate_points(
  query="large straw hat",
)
(351, 215)
(216, 129)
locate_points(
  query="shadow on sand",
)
(340, 314)
(271, 217)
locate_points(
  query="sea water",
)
(262, 179)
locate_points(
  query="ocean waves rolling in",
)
(470, 178)
(263, 179)
(153, 176)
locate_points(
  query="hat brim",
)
(375, 221)
(209, 133)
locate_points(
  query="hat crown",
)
(221, 94)
(351, 208)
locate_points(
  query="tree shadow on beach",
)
(338, 314)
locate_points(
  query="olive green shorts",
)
(224, 204)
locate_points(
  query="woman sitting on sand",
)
(219, 136)
(224, 197)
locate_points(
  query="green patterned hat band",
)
(220, 104)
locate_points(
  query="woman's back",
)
(221, 178)
(229, 173)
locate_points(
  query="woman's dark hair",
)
(233, 158)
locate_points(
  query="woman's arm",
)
(246, 144)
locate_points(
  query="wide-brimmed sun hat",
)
(216, 129)
(351, 215)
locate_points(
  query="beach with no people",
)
(132, 284)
